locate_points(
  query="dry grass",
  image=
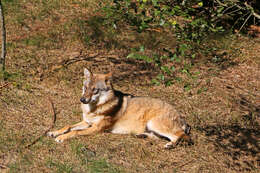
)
(50, 42)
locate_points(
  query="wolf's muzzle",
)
(84, 100)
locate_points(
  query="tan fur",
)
(107, 109)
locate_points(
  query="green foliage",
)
(4, 75)
(178, 16)
(158, 61)
(189, 23)
(138, 55)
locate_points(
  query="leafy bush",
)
(187, 21)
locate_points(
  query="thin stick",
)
(3, 166)
(252, 9)
(4, 85)
(2, 60)
(245, 22)
(54, 114)
(239, 19)
(184, 164)
(52, 125)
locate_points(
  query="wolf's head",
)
(97, 88)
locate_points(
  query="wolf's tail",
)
(186, 127)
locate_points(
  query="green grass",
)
(100, 166)
(90, 161)
(59, 167)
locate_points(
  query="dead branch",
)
(4, 85)
(3, 166)
(184, 163)
(67, 62)
(52, 125)
(253, 12)
(245, 22)
(77, 59)
(54, 114)
(246, 7)
(2, 60)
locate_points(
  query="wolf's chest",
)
(86, 108)
(92, 119)
(88, 116)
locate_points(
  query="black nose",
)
(83, 100)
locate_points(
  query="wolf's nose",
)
(82, 99)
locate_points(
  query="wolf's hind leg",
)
(147, 135)
(178, 135)
(79, 126)
(164, 131)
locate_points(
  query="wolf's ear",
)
(87, 73)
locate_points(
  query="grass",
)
(60, 167)
(218, 94)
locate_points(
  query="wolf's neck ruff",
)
(107, 108)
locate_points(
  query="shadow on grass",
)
(236, 142)
(132, 70)
(95, 31)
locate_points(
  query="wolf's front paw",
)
(59, 139)
(169, 145)
(52, 134)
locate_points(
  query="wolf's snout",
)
(83, 100)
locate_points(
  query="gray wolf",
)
(106, 109)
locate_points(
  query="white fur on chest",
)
(86, 108)
(92, 119)
(89, 117)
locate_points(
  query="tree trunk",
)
(3, 54)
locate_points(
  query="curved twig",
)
(4, 85)
(52, 125)
(3, 166)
